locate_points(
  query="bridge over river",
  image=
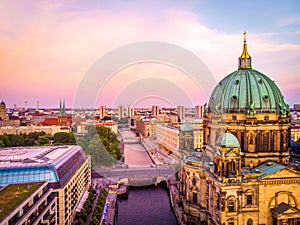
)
(138, 175)
(139, 168)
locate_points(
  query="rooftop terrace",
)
(12, 195)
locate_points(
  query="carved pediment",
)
(291, 210)
(232, 153)
(284, 208)
(283, 173)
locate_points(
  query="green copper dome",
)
(186, 127)
(247, 91)
(227, 140)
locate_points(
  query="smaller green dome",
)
(186, 127)
(227, 140)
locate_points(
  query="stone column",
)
(239, 201)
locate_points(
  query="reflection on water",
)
(146, 206)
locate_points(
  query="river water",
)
(146, 206)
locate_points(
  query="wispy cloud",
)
(47, 47)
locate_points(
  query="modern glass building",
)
(67, 169)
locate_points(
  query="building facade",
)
(33, 128)
(66, 168)
(169, 136)
(199, 111)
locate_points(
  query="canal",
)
(146, 205)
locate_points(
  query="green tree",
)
(80, 222)
(95, 221)
(16, 140)
(35, 135)
(64, 138)
(28, 142)
(102, 144)
(43, 140)
(5, 139)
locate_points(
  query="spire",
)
(64, 109)
(245, 58)
(60, 108)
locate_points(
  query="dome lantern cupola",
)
(245, 58)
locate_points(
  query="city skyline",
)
(49, 46)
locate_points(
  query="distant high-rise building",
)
(25, 105)
(120, 111)
(199, 111)
(131, 111)
(102, 111)
(180, 112)
(124, 112)
(155, 110)
(15, 106)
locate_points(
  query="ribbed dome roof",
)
(227, 140)
(186, 127)
(246, 90)
(2, 103)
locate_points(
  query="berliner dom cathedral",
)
(241, 176)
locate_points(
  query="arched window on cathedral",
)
(251, 139)
(266, 142)
(231, 204)
(249, 198)
(194, 181)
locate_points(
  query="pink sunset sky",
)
(48, 46)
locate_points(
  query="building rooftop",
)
(12, 195)
(268, 168)
(186, 127)
(32, 164)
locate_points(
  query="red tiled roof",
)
(50, 122)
